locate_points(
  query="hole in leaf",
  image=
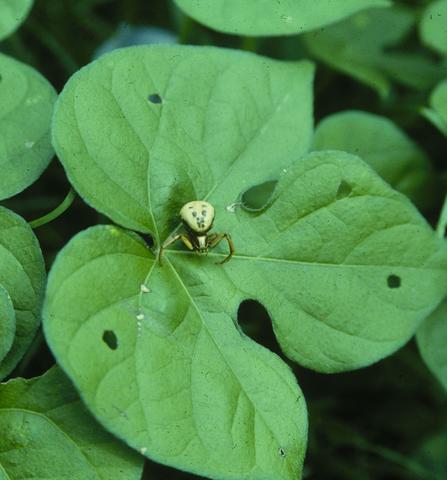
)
(394, 281)
(257, 198)
(154, 98)
(255, 322)
(344, 190)
(148, 239)
(282, 452)
(109, 338)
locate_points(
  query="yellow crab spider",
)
(197, 218)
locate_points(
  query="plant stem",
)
(57, 212)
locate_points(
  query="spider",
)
(197, 218)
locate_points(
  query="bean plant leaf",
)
(346, 267)
(47, 433)
(358, 47)
(381, 144)
(22, 275)
(178, 117)
(263, 17)
(7, 323)
(27, 101)
(12, 14)
(437, 113)
(432, 27)
(432, 340)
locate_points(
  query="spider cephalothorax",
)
(197, 218)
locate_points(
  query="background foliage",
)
(387, 421)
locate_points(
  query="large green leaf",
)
(167, 369)
(22, 275)
(265, 17)
(358, 46)
(432, 27)
(27, 101)
(437, 113)
(12, 14)
(432, 340)
(178, 118)
(48, 434)
(7, 323)
(380, 143)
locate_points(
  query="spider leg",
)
(170, 241)
(215, 238)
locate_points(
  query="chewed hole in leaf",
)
(257, 198)
(344, 190)
(110, 339)
(154, 98)
(394, 281)
(255, 322)
(148, 239)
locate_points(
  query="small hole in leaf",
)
(109, 338)
(394, 281)
(154, 98)
(257, 198)
(148, 239)
(344, 190)
(282, 452)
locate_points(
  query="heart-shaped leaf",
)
(432, 27)
(359, 46)
(263, 17)
(345, 265)
(27, 101)
(145, 129)
(22, 275)
(380, 143)
(432, 340)
(47, 434)
(12, 14)
(7, 323)
(437, 113)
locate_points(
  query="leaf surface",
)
(22, 275)
(263, 17)
(47, 433)
(381, 144)
(12, 14)
(27, 101)
(7, 323)
(437, 113)
(432, 339)
(178, 120)
(360, 47)
(432, 26)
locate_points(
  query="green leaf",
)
(167, 370)
(381, 144)
(47, 434)
(179, 118)
(27, 101)
(432, 340)
(22, 275)
(7, 323)
(12, 14)
(358, 46)
(432, 27)
(437, 113)
(263, 17)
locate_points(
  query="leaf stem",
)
(57, 212)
